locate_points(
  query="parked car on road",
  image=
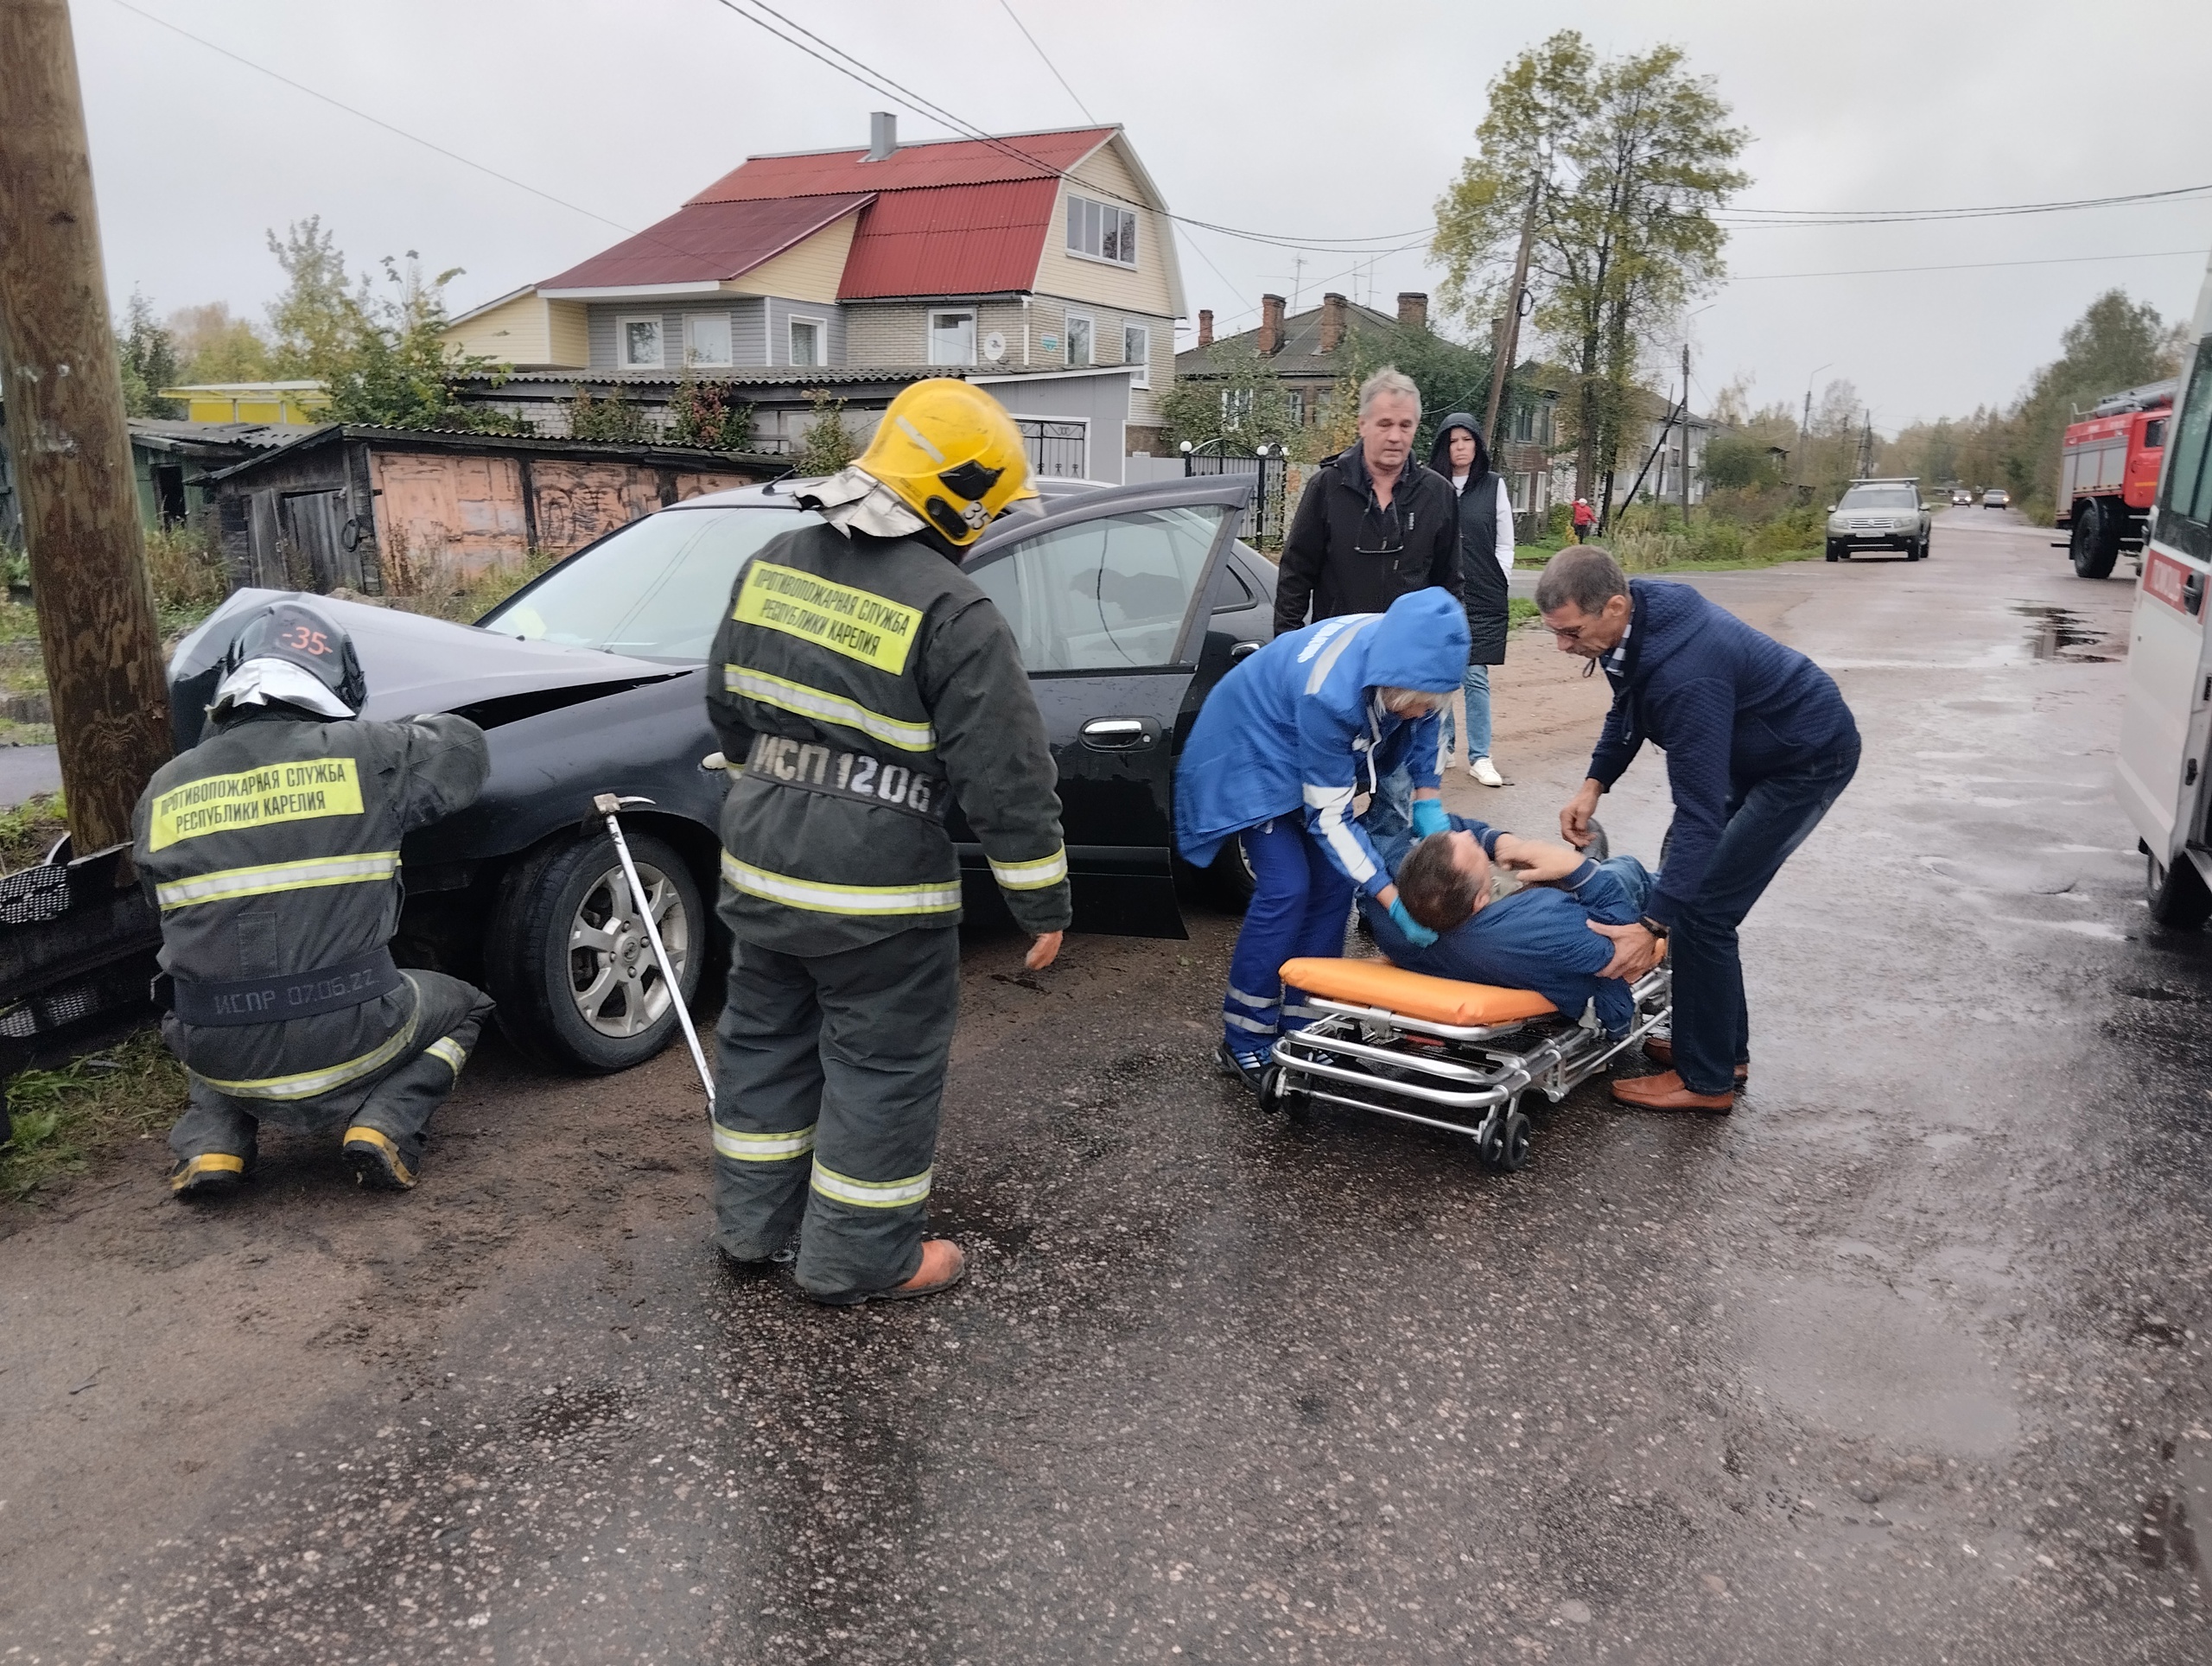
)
(1997, 498)
(1128, 603)
(1879, 515)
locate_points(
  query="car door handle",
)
(1119, 733)
(1245, 651)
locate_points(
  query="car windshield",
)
(657, 590)
(1880, 497)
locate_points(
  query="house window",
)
(1099, 231)
(636, 343)
(1136, 349)
(1236, 404)
(1294, 407)
(709, 343)
(1079, 353)
(806, 341)
(952, 338)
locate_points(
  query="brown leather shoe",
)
(1665, 1091)
(1661, 1051)
(943, 1267)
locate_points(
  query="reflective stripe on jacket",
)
(272, 849)
(883, 650)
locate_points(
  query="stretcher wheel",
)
(1277, 1094)
(1513, 1144)
(1490, 1144)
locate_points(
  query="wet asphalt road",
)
(1903, 1362)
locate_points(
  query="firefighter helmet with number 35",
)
(948, 452)
(308, 637)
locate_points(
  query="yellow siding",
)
(1144, 290)
(811, 269)
(527, 330)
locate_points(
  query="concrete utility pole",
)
(1508, 332)
(64, 393)
(1804, 433)
(1686, 436)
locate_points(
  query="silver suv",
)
(1879, 515)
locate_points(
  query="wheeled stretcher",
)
(1446, 1054)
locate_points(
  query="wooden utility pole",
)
(64, 394)
(1805, 435)
(1508, 332)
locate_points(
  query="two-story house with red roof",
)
(1041, 265)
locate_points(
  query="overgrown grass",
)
(29, 829)
(64, 1117)
(1519, 611)
(188, 574)
(467, 599)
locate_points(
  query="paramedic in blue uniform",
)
(1279, 750)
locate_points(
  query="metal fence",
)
(1267, 519)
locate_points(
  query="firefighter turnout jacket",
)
(860, 686)
(272, 851)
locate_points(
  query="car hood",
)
(414, 664)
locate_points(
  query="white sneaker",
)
(1485, 772)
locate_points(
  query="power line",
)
(373, 120)
(1007, 6)
(1965, 265)
(1748, 217)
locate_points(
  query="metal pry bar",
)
(610, 806)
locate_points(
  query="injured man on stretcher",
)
(1540, 936)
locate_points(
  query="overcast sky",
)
(1294, 117)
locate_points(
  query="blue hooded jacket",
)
(1300, 723)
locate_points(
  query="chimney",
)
(1413, 310)
(1271, 325)
(1333, 323)
(1206, 326)
(882, 136)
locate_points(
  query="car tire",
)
(2092, 541)
(1832, 552)
(567, 960)
(2178, 897)
(1228, 882)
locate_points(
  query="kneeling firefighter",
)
(862, 682)
(272, 850)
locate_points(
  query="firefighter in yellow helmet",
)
(860, 682)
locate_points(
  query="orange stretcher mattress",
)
(1432, 999)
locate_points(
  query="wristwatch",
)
(1654, 927)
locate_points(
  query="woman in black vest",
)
(1485, 559)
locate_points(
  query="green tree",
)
(611, 418)
(2116, 344)
(392, 366)
(825, 445)
(704, 413)
(214, 346)
(1633, 154)
(1242, 406)
(312, 324)
(148, 354)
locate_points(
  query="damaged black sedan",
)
(1128, 603)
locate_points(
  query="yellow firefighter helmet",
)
(948, 452)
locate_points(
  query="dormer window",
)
(1099, 231)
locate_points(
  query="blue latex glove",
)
(1416, 934)
(1429, 817)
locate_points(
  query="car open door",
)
(1109, 597)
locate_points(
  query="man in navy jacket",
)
(1758, 744)
(1538, 937)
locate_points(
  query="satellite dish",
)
(994, 346)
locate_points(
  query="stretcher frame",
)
(1370, 1059)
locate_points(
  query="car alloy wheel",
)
(612, 972)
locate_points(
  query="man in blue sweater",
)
(1758, 744)
(1538, 937)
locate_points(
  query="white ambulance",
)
(2165, 733)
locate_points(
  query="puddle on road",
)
(2057, 633)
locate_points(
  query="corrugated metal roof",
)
(805, 376)
(707, 243)
(911, 167)
(955, 239)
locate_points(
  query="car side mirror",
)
(1831, 509)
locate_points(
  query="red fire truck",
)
(2108, 472)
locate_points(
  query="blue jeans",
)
(1476, 686)
(1300, 904)
(1768, 819)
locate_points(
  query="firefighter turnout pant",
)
(831, 1080)
(396, 1098)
